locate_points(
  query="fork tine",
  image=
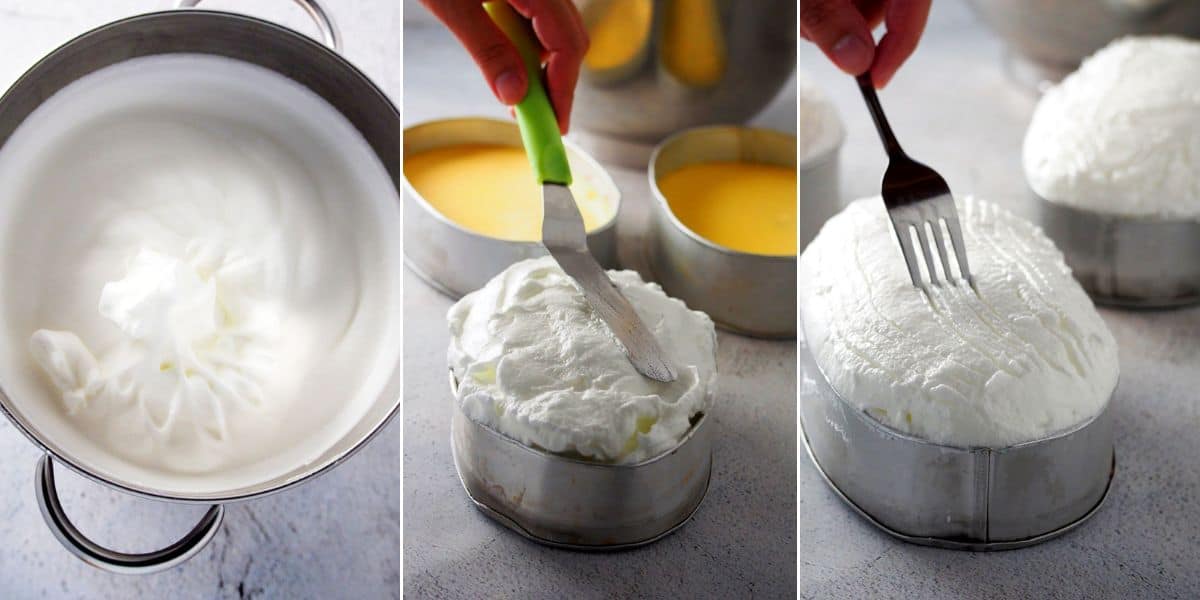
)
(910, 258)
(960, 249)
(923, 238)
(943, 252)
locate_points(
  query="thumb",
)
(840, 31)
(492, 51)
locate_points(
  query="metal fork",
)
(917, 198)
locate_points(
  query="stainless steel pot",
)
(456, 260)
(316, 66)
(1047, 39)
(581, 504)
(963, 498)
(683, 63)
(751, 294)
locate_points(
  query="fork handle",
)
(867, 87)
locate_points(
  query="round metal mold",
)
(959, 498)
(577, 503)
(318, 67)
(750, 294)
(1124, 261)
(457, 261)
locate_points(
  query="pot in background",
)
(658, 66)
(1047, 39)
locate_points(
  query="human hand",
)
(842, 29)
(559, 29)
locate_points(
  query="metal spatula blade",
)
(563, 233)
(564, 236)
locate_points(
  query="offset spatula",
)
(563, 233)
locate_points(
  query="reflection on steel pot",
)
(1047, 39)
(323, 71)
(658, 66)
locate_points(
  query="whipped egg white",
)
(1025, 358)
(202, 267)
(534, 362)
(820, 128)
(1121, 135)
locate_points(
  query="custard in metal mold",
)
(491, 190)
(1027, 357)
(535, 363)
(1121, 135)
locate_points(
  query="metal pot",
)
(675, 64)
(1047, 39)
(316, 66)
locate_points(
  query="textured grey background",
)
(953, 108)
(337, 536)
(741, 542)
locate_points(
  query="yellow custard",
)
(490, 189)
(693, 48)
(742, 206)
(619, 34)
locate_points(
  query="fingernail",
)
(510, 87)
(852, 54)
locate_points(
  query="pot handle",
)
(329, 31)
(110, 560)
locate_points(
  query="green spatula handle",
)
(535, 116)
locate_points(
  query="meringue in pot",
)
(1025, 358)
(535, 363)
(208, 263)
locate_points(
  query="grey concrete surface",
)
(742, 541)
(953, 108)
(335, 537)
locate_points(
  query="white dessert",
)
(1122, 134)
(821, 133)
(202, 267)
(535, 363)
(1028, 357)
(820, 126)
